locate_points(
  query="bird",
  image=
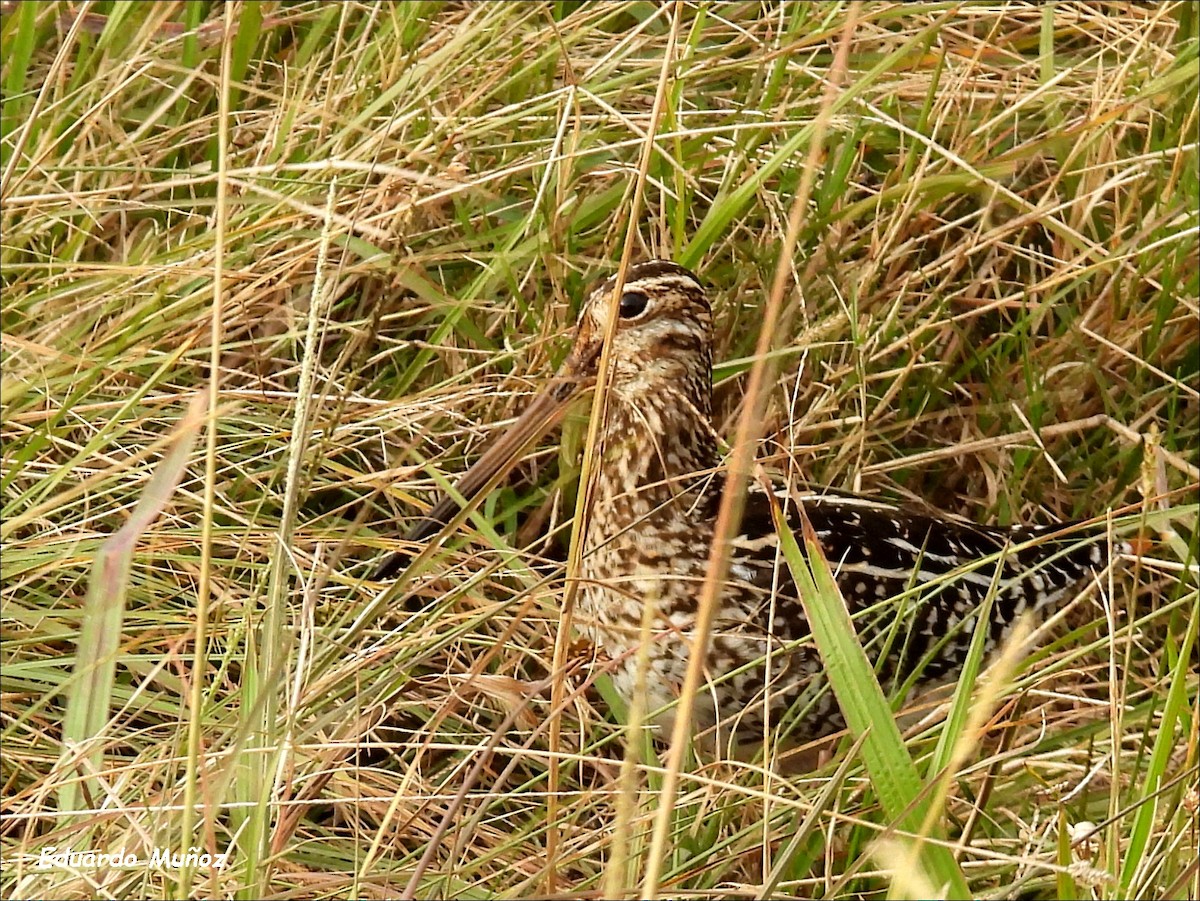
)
(653, 508)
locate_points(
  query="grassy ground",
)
(376, 221)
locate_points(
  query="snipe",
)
(657, 489)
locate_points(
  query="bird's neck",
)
(658, 446)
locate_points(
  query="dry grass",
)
(995, 314)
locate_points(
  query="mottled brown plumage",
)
(655, 498)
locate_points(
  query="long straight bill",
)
(541, 415)
(538, 418)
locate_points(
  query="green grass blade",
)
(90, 691)
(18, 51)
(866, 709)
(1175, 711)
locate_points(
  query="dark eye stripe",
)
(633, 303)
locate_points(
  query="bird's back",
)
(915, 585)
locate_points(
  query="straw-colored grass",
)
(377, 220)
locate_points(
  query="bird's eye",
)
(633, 304)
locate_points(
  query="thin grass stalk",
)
(593, 452)
(195, 718)
(978, 708)
(276, 639)
(729, 512)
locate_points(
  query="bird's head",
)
(662, 338)
(661, 348)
